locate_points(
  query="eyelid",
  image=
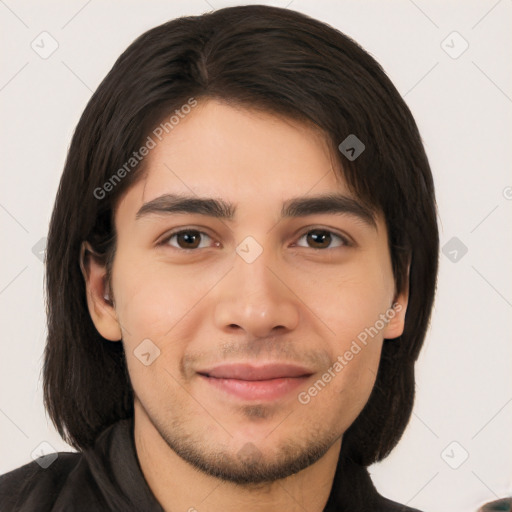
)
(347, 241)
(166, 237)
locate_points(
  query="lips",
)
(267, 382)
(255, 373)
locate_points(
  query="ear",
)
(100, 303)
(396, 313)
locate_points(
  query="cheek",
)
(146, 310)
(349, 308)
(153, 294)
(350, 387)
(151, 298)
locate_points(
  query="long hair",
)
(282, 62)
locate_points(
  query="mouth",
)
(247, 382)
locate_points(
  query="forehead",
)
(245, 156)
(218, 141)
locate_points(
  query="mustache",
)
(263, 351)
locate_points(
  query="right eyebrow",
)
(174, 203)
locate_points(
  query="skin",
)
(300, 301)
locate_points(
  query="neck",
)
(177, 485)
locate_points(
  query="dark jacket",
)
(108, 478)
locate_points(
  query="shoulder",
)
(386, 505)
(353, 490)
(105, 476)
(37, 485)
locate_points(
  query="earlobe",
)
(396, 312)
(99, 300)
(396, 317)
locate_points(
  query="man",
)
(241, 267)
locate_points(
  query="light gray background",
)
(463, 108)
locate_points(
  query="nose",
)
(256, 298)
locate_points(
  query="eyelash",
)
(165, 241)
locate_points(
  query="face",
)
(253, 339)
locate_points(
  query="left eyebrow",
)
(331, 204)
(295, 207)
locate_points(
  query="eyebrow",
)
(296, 207)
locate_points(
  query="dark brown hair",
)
(282, 62)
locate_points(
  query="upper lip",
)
(251, 372)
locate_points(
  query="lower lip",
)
(271, 389)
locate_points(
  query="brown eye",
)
(322, 238)
(186, 239)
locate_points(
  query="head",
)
(247, 106)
